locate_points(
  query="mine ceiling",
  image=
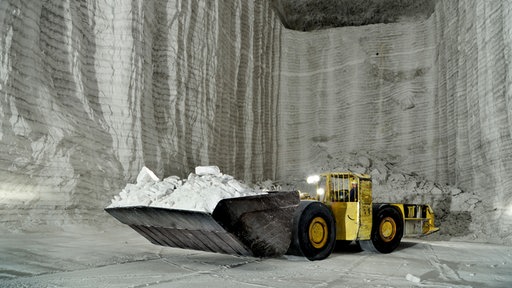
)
(307, 15)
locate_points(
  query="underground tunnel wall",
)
(433, 97)
(91, 92)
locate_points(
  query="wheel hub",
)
(318, 232)
(387, 229)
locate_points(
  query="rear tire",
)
(387, 230)
(313, 231)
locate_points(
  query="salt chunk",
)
(173, 181)
(411, 185)
(398, 177)
(208, 170)
(358, 169)
(364, 161)
(129, 187)
(146, 176)
(413, 278)
(199, 192)
(236, 185)
(436, 191)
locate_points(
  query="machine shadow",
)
(344, 247)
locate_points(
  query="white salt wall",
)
(364, 88)
(92, 91)
(474, 97)
(433, 97)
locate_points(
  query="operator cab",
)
(339, 187)
(349, 196)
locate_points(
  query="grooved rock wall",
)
(363, 88)
(432, 97)
(91, 91)
(474, 106)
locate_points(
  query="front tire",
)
(313, 231)
(387, 231)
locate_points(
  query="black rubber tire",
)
(379, 243)
(308, 215)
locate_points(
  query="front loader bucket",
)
(257, 225)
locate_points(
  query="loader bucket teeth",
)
(179, 229)
(249, 226)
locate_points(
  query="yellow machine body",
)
(349, 196)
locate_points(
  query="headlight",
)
(320, 192)
(313, 179)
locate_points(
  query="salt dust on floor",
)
(112, 255)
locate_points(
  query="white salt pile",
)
(200, 192)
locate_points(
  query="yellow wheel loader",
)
(278, 223)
